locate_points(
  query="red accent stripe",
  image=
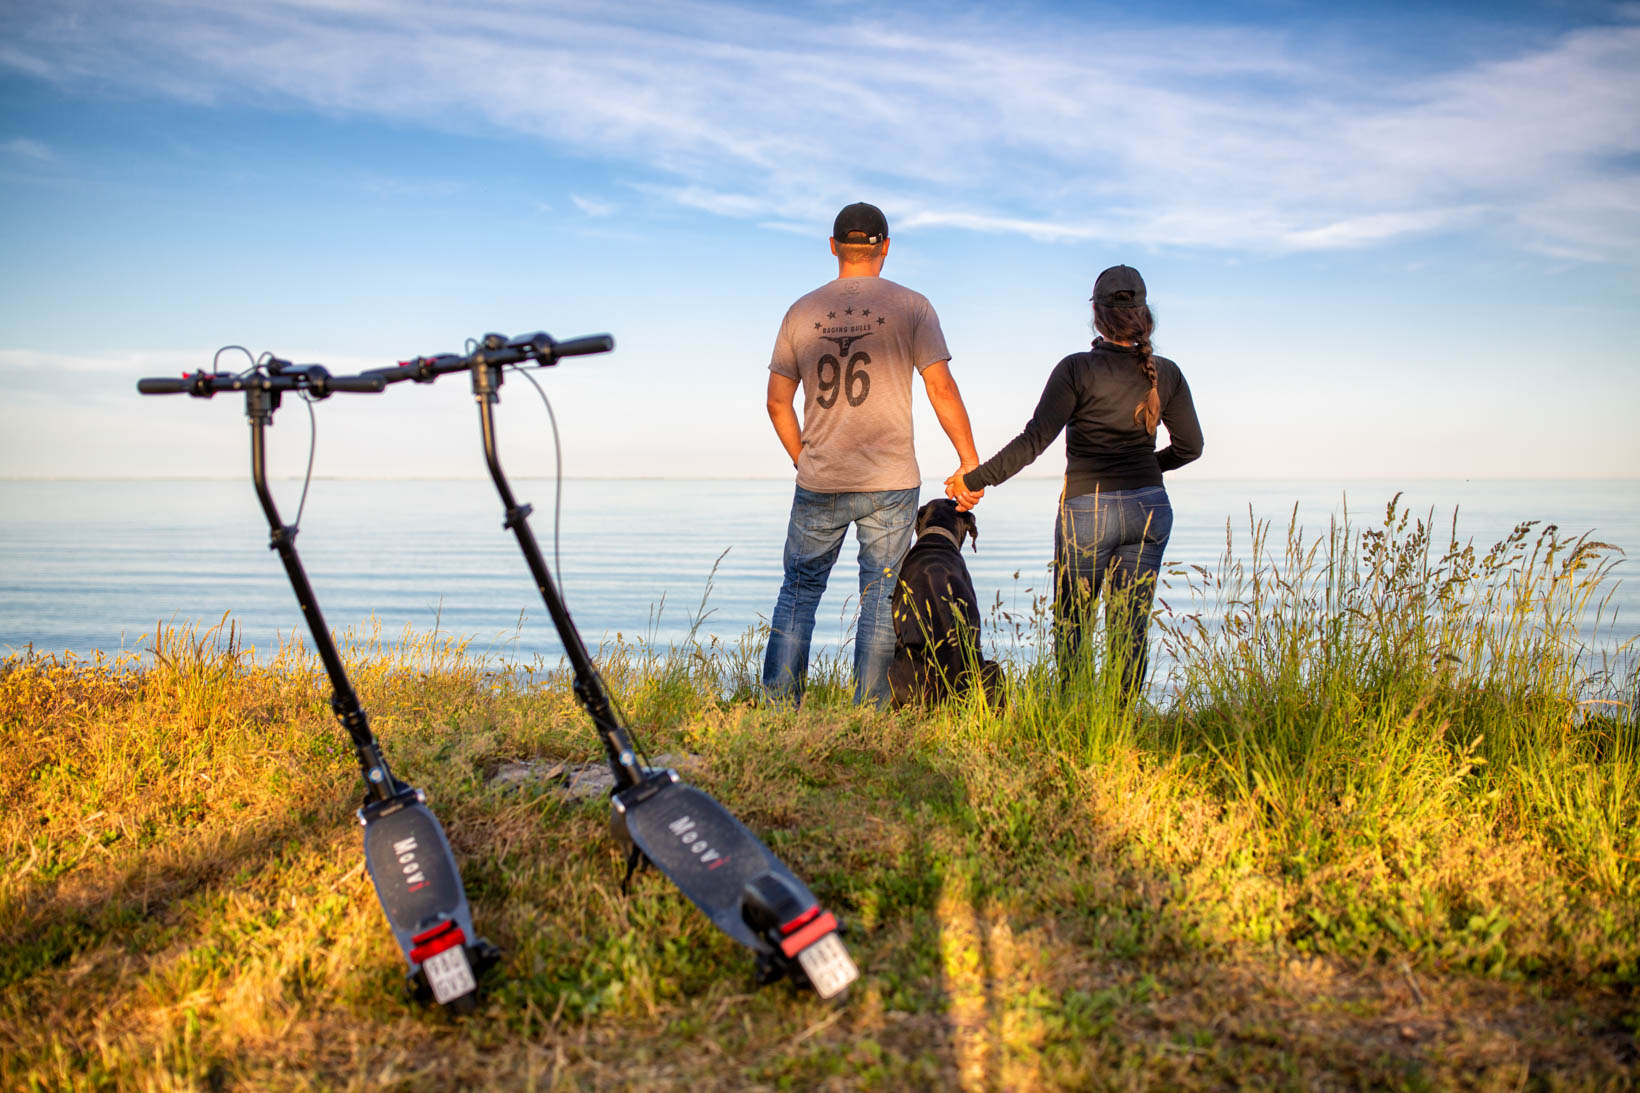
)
(800, 919)
(808, 935)
(447, 935)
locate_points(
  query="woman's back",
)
(1092, 395)
(1104, 445)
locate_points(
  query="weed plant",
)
(1372, 825)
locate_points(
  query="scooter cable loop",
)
(257, 365)
(254, 362)
(557, 513)
(313, 444)
(558, 477)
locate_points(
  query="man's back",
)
(855, 343)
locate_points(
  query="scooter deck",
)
(419, 887)
(728, 873)
(704, 850)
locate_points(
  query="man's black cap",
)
(863, 218)
(1119, 286)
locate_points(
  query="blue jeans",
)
(819, 521)
(1110, 542)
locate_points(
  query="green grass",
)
(1379, 831)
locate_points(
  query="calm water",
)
(96, 565)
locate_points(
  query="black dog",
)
(936, 613)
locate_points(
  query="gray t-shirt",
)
(855, 344)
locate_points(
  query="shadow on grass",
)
(136, 902)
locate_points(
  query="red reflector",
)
(800, 919)
(427, 935)
(446, 935)
(817, 928)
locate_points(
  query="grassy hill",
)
(1380, 831)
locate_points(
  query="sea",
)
(98, 566)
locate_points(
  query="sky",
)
(1382, 240)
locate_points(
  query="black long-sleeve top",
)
(1094, 394)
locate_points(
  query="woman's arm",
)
(1183, 430)
(1053, 410)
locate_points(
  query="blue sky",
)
(1382, 241)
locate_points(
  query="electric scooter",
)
(417, 880)
(722, 867)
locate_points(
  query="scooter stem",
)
(589, 689)
(379, 782)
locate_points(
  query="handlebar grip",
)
(163, 385)
(592, 343)
(366, 383)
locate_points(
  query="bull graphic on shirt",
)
(845, 341)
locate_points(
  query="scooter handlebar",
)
(393, 375)
(366, 383)
(494, 349)
(308, 377)
(197, 384)
(592, 343)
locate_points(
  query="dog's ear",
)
(967, 525)
(925, 514)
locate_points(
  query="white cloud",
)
(28, 149)
(1041, 230)
(14, 58)
(592, 206)
(1188, 134)
(21, 363)
(1365, 230)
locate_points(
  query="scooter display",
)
(417, 880)
(700, 846)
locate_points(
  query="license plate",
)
(449, 974)
(828, 966)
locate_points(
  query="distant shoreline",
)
(1635, 478)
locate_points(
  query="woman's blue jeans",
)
(883, 521)
(1109, 542)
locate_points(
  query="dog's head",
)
(942, 516)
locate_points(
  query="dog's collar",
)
(943, 533)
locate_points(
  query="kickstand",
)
(634, 861)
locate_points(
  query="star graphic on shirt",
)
(881, 320)
(817, 326)
(831, 314)
(864, 312)
(848, 311)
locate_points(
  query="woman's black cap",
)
(1119, 286)
(863, 218)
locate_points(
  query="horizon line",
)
(1610, 477)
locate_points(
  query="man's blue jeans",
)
(814, 537)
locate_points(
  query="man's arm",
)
(782, 394)
(953, 415)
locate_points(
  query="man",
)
(853, 345)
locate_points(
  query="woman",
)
(1114, 517)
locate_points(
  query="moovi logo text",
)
(684, 828)
(414, 878)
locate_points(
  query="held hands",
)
(960, 493)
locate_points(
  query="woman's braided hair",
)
(1134, 323)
